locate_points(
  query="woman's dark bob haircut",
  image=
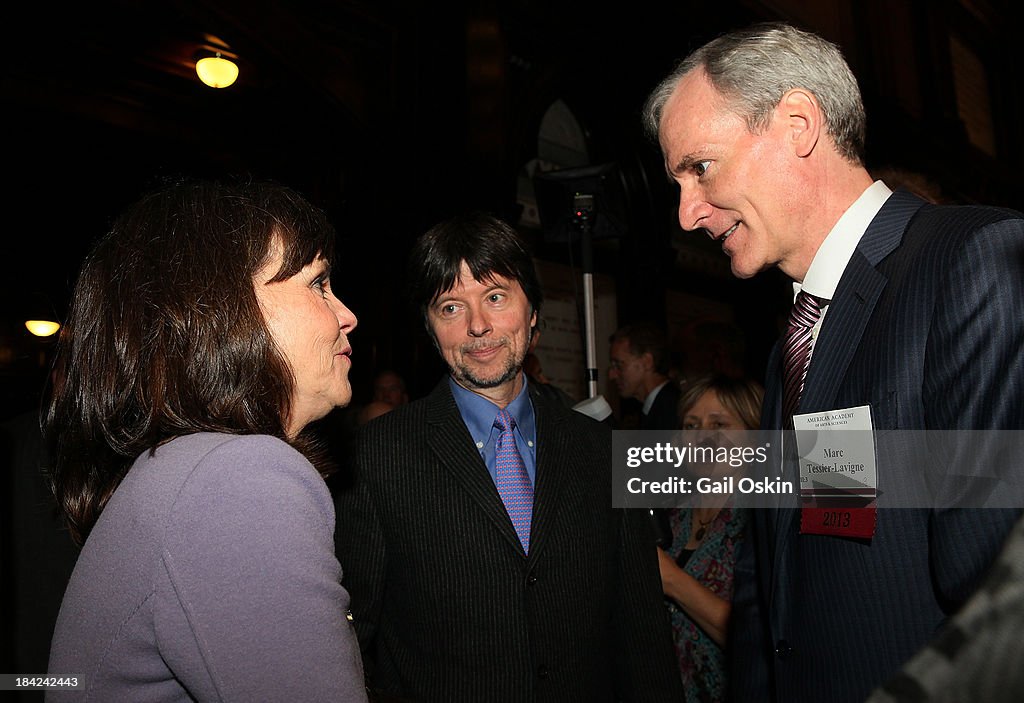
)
(165, 336)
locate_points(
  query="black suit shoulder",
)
(664, 414)
(946, 228)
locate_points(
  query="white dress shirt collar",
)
(835, 252)
(649, 400)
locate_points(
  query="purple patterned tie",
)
(511, 478)
(796, 352)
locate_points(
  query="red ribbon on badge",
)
(839, 521)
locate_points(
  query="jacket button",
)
(530, 580)
(783, 649)
(542, 672)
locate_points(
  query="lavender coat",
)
(211, 576)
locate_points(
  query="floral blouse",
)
(701, 661)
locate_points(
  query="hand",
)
(705, 608)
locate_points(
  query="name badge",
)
(838, 479)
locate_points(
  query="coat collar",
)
(854, 302)
(453, 448)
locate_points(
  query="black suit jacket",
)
(925, 328)
(664, 414)
(446, 604)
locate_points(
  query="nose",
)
(693, 207)
(346, 318)
(478, 323)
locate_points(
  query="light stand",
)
(583, 209)
(584, 204)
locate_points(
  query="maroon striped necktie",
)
(796, 352)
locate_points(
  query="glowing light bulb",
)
(41, 328)
(216, 71)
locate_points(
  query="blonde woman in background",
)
(697, 568)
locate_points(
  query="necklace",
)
(701, 530)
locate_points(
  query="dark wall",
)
(394, 115)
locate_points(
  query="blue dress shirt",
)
(478, 413)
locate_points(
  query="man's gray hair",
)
(754, 67)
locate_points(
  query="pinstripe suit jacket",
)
(926, 328)
(447, 606)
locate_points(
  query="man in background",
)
(388, 393)
(639, 367)
(389, 387)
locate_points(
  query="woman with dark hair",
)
(697, 567)
(203, 338)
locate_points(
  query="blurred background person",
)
(639, 366)
(697, 567)
(203, 339)
(388, 393)
(389, 387)
(373, 409)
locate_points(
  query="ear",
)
(800, 114)
(648, 361)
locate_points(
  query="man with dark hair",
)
(640, 369)
(483, 556)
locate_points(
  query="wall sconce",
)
(42, 328)
(217, 71)
(39, 315)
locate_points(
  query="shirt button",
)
(783, 649)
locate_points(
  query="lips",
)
(724, 236)
(482, 352)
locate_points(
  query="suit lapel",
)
(553, 458)
(838, 340)
(841, 332)
(453, 448)
(771, 413)
(854, 302)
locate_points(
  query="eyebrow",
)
(491, 287)
(442, 300)
(686, 162)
